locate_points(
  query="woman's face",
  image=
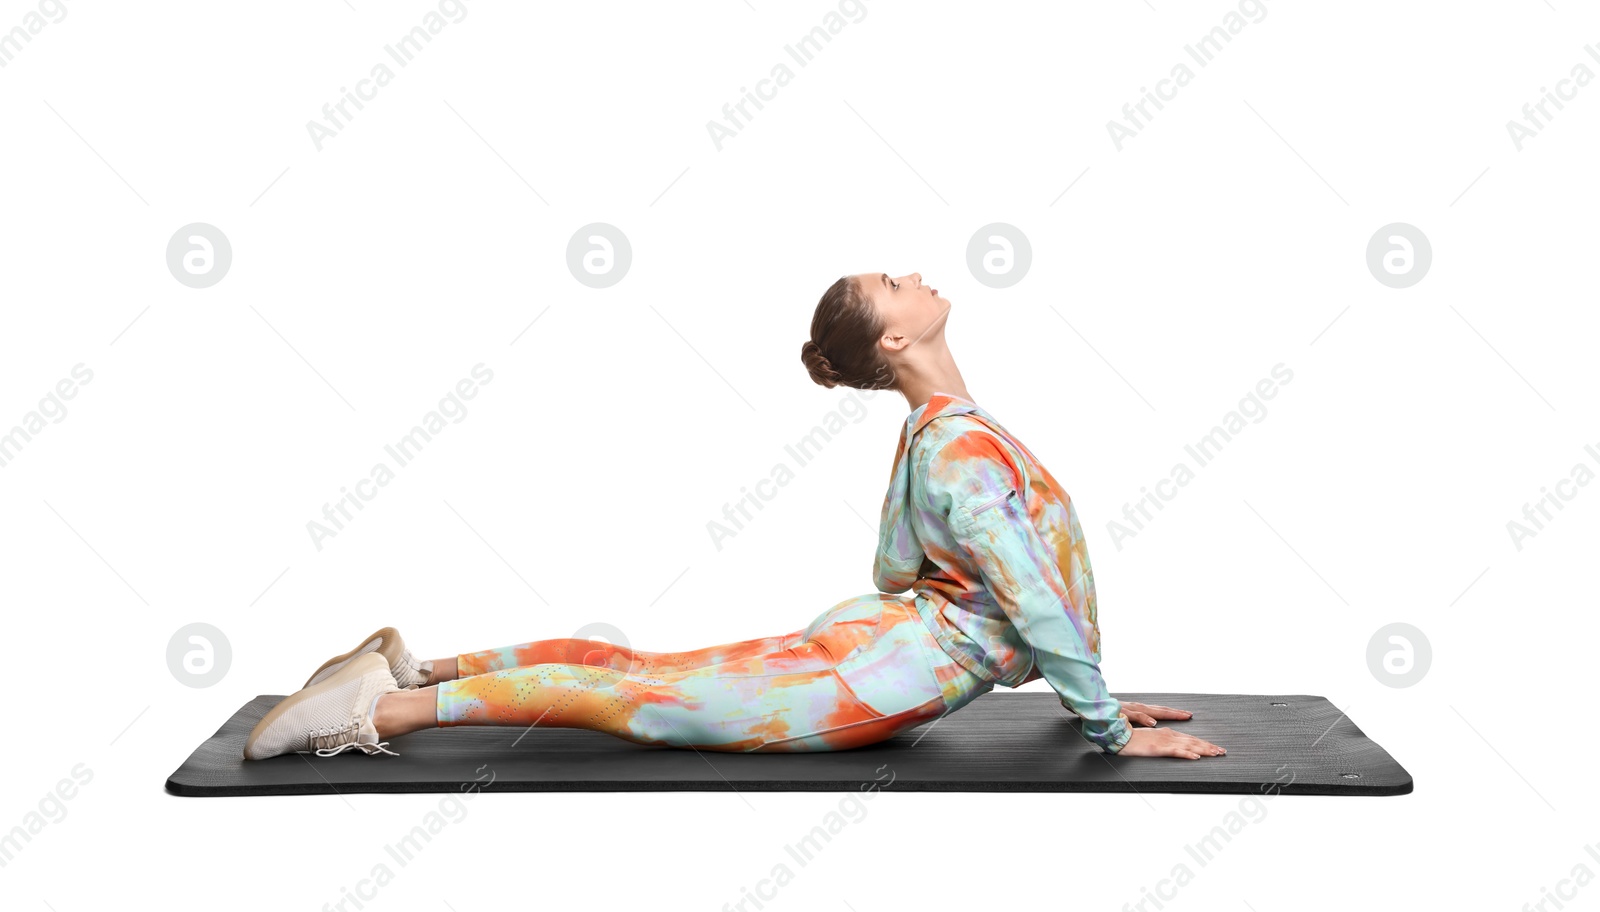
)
(910, 310)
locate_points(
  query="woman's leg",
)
(570, 651)
(855, 676)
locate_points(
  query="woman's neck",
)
(918, 382)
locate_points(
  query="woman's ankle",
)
(443, 670)
(404, 711)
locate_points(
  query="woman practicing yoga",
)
(973, 524)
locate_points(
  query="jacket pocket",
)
(991, 503)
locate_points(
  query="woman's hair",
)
(843, 348)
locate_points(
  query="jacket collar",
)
(938, 405)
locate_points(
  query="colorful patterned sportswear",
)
(977, 527)
(863, 671)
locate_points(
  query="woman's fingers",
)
(1199, 746)
(1159, 712)
(1139, 717)
(1167, 742)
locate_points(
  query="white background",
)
(427, 236)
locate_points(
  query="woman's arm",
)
(973, 482)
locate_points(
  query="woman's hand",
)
(1167, 742)
(1148, 713)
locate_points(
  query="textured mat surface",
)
(1004, 741)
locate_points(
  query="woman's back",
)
(973, 521)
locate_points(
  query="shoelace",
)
(330, 736)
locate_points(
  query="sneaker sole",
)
(391, 651)
(357, 667)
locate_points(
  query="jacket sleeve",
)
(973, 482)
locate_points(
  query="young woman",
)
(972, 523)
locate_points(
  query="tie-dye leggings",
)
(861, 672)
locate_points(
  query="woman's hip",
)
(889, 659)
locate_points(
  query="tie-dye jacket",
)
(990, 543)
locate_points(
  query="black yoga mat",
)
(1004, 741)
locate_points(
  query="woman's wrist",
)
(1123, 730)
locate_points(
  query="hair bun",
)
(818, 366)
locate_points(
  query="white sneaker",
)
(328, 717)
(409, 673)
